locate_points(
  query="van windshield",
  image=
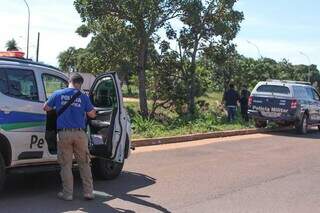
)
(274, 89)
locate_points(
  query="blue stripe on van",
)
(21, 117)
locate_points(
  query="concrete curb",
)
(193, 137)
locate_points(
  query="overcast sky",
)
(280, 28)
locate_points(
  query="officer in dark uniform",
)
(230, 99)
(244, 98)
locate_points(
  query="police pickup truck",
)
(24, 88)
(287, 103)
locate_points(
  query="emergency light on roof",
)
(12, 54)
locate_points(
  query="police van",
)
(287, 103)
(24, 88)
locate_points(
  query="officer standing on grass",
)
(244, 98)
(230, 99)
(72, 139)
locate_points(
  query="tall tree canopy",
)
(206, 23)
(143, 17)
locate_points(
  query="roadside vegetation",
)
(167, 122)
(174, 80)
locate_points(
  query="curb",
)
(193, 137)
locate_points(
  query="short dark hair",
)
(231, 86)
(76, 78)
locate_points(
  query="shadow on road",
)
(37, 193)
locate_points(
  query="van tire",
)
(2, 172)
(260, 124)
(302, 125)
(106, 169)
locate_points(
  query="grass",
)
(210, 118)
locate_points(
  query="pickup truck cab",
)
(24, 88)
(286, 103)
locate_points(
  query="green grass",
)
(210, 118)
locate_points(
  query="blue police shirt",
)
(75, 115)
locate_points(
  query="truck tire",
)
(302, 125)
(2, 172)
(260, 124)
(106, 169)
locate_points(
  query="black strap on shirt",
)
(71, 101)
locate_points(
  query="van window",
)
(3, 82)
(22, 84)
(274, 89)
(53, 83)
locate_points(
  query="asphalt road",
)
(256, 173)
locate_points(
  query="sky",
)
(278, 28)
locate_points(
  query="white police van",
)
(24, 88)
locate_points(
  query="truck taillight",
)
(294, 104)
(250, 101)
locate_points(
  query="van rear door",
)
(108, 130)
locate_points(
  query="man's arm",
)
(90, 111)
(92, 114)
(48, 106)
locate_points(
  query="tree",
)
(143, 17)
(12, 45)
(206, 22)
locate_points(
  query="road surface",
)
(256, 173)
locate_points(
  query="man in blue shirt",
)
(72, 139)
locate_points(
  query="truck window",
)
(104, 94)
(315, 95)
(53, 83)
(3, 82)
(311, 93)
(22, 84)
(273, 89)
(300, 92)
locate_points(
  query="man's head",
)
(245, 86)
(76, 80)
(231, 86)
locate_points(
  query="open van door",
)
(108, 130)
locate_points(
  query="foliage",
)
(205, 24)
(12, 45)
(141, 18)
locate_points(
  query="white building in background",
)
(88, 80)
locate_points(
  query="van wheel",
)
(260, 124)
(2, 172)
(302, 125)
(106, 169)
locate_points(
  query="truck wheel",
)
(2, 172)
(302, 125)
(106, 169)
(260, 124)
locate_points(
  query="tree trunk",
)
(192, 75)
(142, 59)
(192, 105)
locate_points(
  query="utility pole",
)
(38, 46)
(28, 28)
(256, 46)
(308, 58)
